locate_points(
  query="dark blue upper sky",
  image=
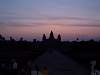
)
(31, 9)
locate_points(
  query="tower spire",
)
(44, 37)
(51, 35)
(59, 37)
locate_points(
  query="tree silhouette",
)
(2, 38)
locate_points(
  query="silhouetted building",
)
(59, 37)
(44, 37)
(21, 39)
(51, 37)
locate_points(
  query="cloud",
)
(84, 25)
(10, 24)
(29, 16)
(35, 24)
(71, 18)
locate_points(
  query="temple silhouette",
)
(51, 38)
(51, 56)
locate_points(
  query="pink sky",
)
(67, 32)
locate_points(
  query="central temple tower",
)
(51, 37)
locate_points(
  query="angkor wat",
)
(23, 52)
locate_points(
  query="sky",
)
(32, 18)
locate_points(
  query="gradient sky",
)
(32, 18)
